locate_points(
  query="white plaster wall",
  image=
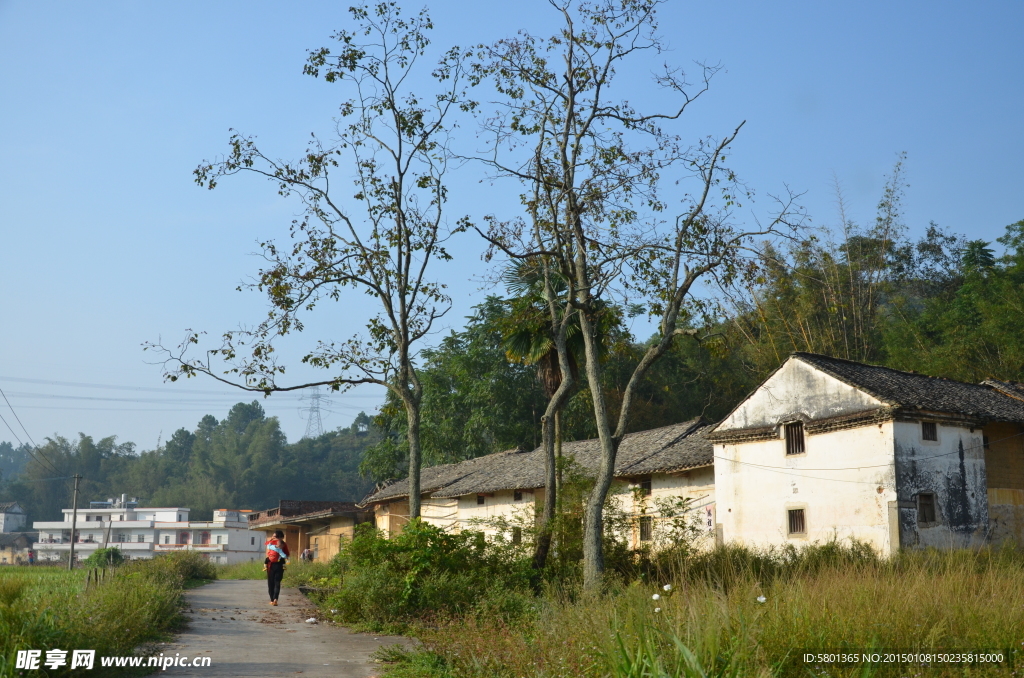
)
(501, 504)
(844, 482)
(953, 469)
(12, 522)
(443, 513)
(697, 485)
(798, 389)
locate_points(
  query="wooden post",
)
(74, 523)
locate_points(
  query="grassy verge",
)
(44, 608)
(735, 612)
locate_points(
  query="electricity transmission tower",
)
(314, 425)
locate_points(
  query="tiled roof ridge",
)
(857, 363)
(816, 358)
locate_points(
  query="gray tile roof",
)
(661, 450)
(1013, 389)
(18, 539)
(6, 506)
(911, 390)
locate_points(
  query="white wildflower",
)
(657, 609)
(666, 588)
(761, 599)
(655, 597)
(311, 620)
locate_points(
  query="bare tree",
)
(592, 167)
(380, 239)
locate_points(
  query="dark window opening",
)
(646, 528)
(795, 438)
(926, 507)
(479, 500)
(645, 487)
(929, 431)
(517, 495)
(984, 442)
(796, 522)
(517, 535)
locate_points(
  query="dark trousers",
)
(275, 572)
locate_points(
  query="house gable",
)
(798, 391)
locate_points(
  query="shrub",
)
(423, 572)
(108, 557)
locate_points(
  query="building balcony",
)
(190, 547)
(54, 545)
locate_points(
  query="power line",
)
(18, 418)
(23, 444)
(166, 389)
(29, 435)
(786, 470)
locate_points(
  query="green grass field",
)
(43, 608)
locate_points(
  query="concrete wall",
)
(953, 469)
(845, 482)
(1004, 469)
(798, 391)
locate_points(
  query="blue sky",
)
(106, 108)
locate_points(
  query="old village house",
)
(824, 448)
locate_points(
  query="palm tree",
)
(529, 338)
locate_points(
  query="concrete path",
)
(232, 623)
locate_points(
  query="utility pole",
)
(74, 523)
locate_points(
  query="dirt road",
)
(232, 624)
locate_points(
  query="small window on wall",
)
(517, 495)
(219, 538)
(925, 508)
(645, 487)
(517, 535)
(480, 500)
(984, 442)
(797, 522)
(167, 539)
(795, 438)
(252, 541)
(646, 528)
(929, 431)
(141, 538)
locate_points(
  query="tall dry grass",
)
(712, 624)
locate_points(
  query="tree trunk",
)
(593, 516)
(558, 457)
(550, 438)
(543, 544)
(412, 412)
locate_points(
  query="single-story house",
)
(321, 526)
(15, 547)
(653, 470)
(828, 447)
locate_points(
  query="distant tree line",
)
(242, 461)
(942, 305)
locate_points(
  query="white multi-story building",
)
(143, 532)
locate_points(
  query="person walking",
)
(277, 556)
